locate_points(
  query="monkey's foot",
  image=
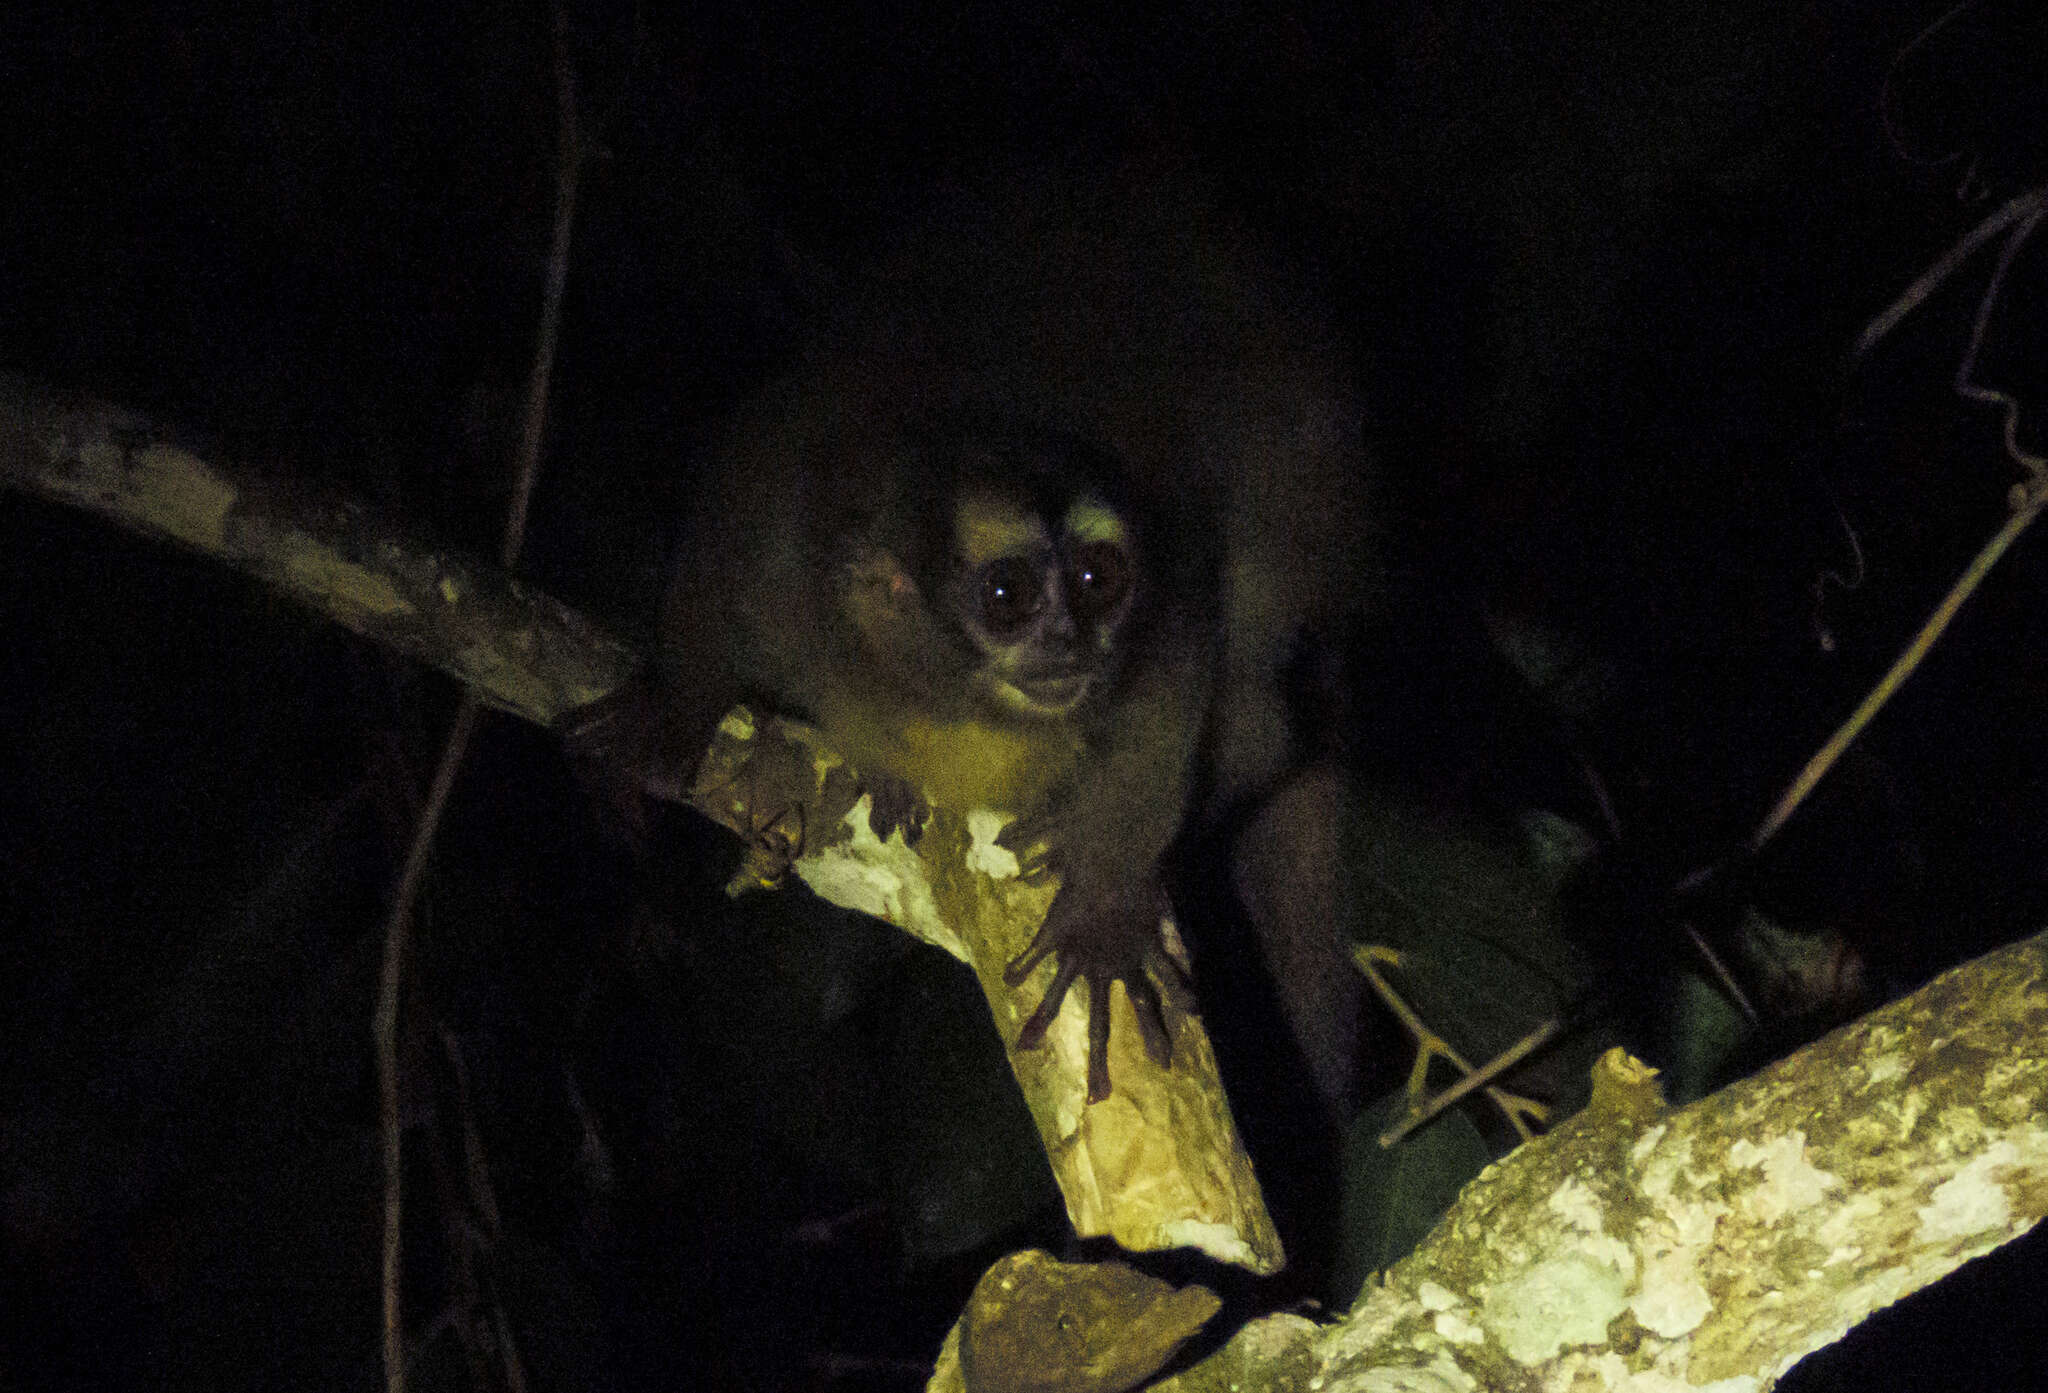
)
(1104, 932)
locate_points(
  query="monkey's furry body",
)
(1033, 525)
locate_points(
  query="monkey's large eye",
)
(1012, 590)
(1098, 578)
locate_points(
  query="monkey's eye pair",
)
(1012, 591)
(1098, 578)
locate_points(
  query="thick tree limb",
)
(516, 649)
(1714, 1247)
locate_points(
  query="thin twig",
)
(1887, 99)
(390, 983)
(533, 428)
(568, 177)
(1990, 396)
(1722, 975)
(2015, 209)
(2028, 503)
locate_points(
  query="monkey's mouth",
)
(1052, 693)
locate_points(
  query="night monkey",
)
(1033, 525)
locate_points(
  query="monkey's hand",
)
(895, 805)
(625, 751)
(1104, 925)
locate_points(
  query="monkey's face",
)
(1043, 600)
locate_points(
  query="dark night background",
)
(1602, 265)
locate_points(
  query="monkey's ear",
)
(876, 590)
(897, 630)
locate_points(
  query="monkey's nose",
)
(1061, 635)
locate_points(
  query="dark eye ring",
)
(1012, 591)
(1098, 578)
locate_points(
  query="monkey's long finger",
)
(1160, 959)
(1022, 965)
(1033, 1033)
(1098, 1039)
(1151, 1019)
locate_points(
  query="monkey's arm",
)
(1104, 837)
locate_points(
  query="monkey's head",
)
(1001, 572)
(1041, 596)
